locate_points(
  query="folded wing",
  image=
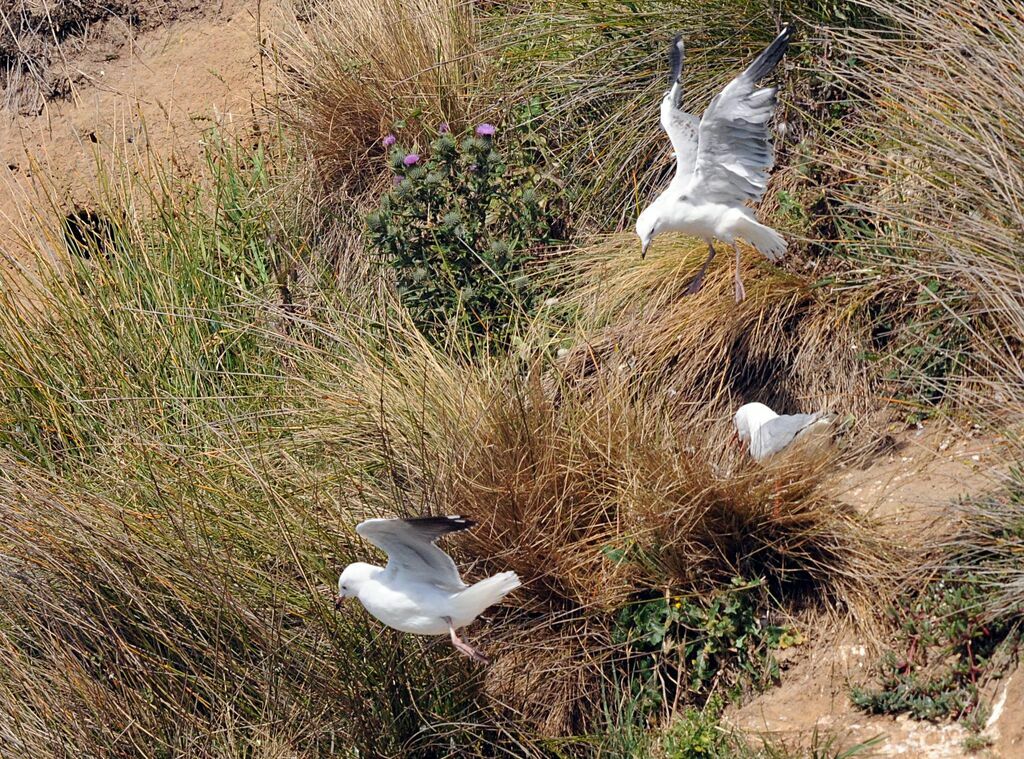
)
(734, 153)
(777, 433)
(409, 544)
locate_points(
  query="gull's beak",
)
(643, 249)
(338, 602)
(736, 442)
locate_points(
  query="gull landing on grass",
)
(722, 161)
(420, 591)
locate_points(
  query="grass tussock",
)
(787, 344)
(594, 498)
(414, 64)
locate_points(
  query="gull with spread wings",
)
(420, 590)
(722, 161)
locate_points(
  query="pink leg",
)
(697, 281)
(468, 650)
(741, 292)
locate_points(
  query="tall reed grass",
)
(930, 190)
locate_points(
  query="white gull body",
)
(420, 590)
(722, 161)
(766, 433)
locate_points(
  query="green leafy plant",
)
(687, 646)
(945, 644)
(460, 228)
(698, 734)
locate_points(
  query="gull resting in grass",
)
(420, 591)
(722, 162)
(765, 433)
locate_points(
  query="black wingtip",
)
(464, 523)
(769, 59)
(450, 523)
(675, 59)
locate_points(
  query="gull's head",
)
(352, 579)
(749, 418)
(646, 229)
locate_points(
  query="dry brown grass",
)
(931, 178)
(354, 69)
(788, 344)
(560, 476)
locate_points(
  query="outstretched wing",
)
(681, 127)
(779, 432)
(734, 153)
(409, 544)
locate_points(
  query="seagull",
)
(420, 591)
(722, 161)
(766, 433)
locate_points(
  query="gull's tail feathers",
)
(768, 242)
(473, 600)
(769, 59)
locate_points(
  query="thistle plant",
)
(460, 228)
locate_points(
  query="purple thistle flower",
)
(443, 128)
(412, 159)
(396, 180)
(390, 140)
(486, 130)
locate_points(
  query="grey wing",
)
(735, 154)
(680, 126)
(779, 432)
(409, 544)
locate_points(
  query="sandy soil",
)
(159, 88)
(911, 488)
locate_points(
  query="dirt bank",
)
(144, 77)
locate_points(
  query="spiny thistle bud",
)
(498, 249)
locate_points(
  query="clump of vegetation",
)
(945, 645)
(956, 632)
(930, 221)
(460, 230)
(686, 648)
